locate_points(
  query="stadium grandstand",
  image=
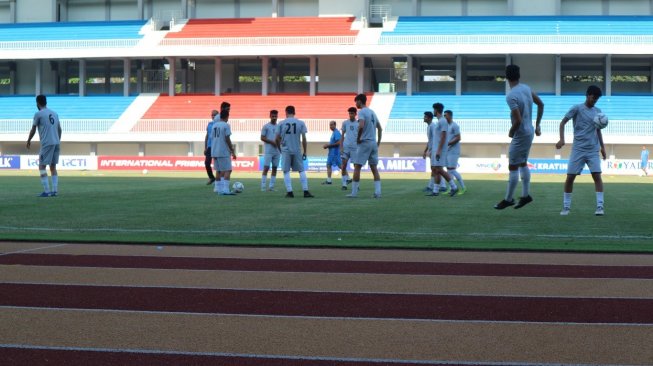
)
(142, 76)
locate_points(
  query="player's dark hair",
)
(512, 73)
(448, 111)
(362, 98)
(351, 110)
(290, 109)
(224, 114)
(274, 111)
(594, 90)
(224, 105)
(41, 100)
(438, 107)
(428, 114)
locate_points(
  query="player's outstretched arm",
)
(30, 137)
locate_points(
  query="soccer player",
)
(368, 146)
(453, 154)
(47, 122)
(288, 136)
(520, 100)
(207, 149)
(349, 145)
(271, 150)
(222, 151)
(438, 136)
(588, 140)
(428, 119)
(644, 164)
(333, 158)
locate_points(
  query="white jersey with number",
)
(291, 130)
(47, 122)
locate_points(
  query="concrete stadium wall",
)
(538, 71)
(25, 12)
(337, 73)
(341, 7)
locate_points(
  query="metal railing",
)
(199, 125)
(69, 44)
(259, 41)
(516, 39)
(21, 126)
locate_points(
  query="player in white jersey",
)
(520, 100)
(453, 153)
(437, 132)
(222, 151)
(289, 132)
(270, 150)
(349, 145)
(588, 140)
(368, 146)
(207, 149)
(47, 122)
(428, 119)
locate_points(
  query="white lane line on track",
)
(333, 232)
(286, 357)
(335, 318)
(34, 249)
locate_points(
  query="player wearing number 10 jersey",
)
(289, 132)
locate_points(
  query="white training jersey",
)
(220, 131)
(291, 130)
(47, 122)
(350, 131)
(269, 131)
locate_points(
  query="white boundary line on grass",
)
(333, 232)
(33, 249)
(384, 361)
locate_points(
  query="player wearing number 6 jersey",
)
(47, 122)
(288, 136)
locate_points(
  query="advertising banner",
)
(168, 163)
(10, 162)
(66, 162)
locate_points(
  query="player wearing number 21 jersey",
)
(289, 133)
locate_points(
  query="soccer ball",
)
(600, 121)
(238, 187)
(144, 171)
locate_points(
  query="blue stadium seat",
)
(71, 31)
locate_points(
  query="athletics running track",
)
(72, 304)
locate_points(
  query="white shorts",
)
(347, 153)
(222, 164)
(367, 152)
(443, 159)
(519, 149)
(452, 160)
(578, 159)
(49, 155)
(271, 159)
(292, 161)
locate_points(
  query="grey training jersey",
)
(350, 131)
(269, 131)
(47, 122)
(369, 128)
(220, 131)
(291, 130)
(454, 130)
(521, 97)
(586, 138)
(435, 132)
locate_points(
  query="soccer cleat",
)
(453, 192)
(327, 182)
(271, 189)
(44, 194)
(503, 204)
(351, 195)
(263, 189)
(565, 211)
(349, 181)
(226, 194)
(443, 189)
(376, 195)
(344, 188)
(308, 194)
(432, 194)
(427, 189)
(599, 211)
(290, 195)
(461, 191)
(53, 194)
(523, 201)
